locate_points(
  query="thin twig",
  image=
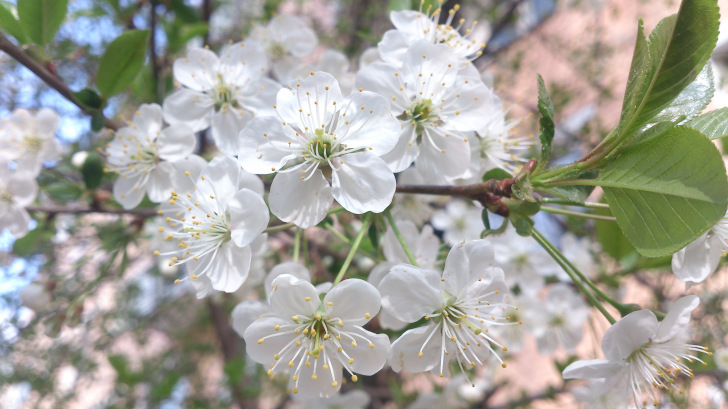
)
(47, 76)
(75, 210)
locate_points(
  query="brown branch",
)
(51, 79)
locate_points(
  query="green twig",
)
(558, 257)
(397, 233)
(354, 247)
(578, 214)
(297, 244)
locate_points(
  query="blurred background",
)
(90, 319)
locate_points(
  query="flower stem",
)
(578, 214)
(559, 258)
(589, 205)
(297, 244)
(397, 233)
(366, 220)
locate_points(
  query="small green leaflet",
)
(121, 62)
(41, 19)
(546, 124)
(713, 124)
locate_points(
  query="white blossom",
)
(424, 246)
(699, 259)
(438, 110)
(320, 131)
(460, 306)
(412, 26)
(215, 224)
(18, 189)
(144, 153)
(313, 339)
(29, 139)
(331, 61)
(223, 93)
(36, 297)
(459, 221)
(643, 354)
(559, 320)
(285, 39)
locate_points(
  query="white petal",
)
(292, 296)
(410, 293)
(353, 301)
(592, 369)
(198, 71)
(176, 142)
(315, 108)
(264, 146)
(405, 152)
(129, 192)
(23, 188)
(699, 259)
(391, 246)
(368, 359)
(303, 202)
(628, 334)
(322, 385)
(222, 176)
(369, 123)
(300, 41)
(263, 352)
(385, 80)
(230, 267)
(242, 63)
(247, 312)
(470, 106)
(261, 97)
(202, 286)
(193, 164)
(159, 186)
(405, 351)
(16, 220)
(148, 119)
(393, 46)
(438, 166)
(677, 318)
(47, 121)
(465, 263)
(295, 269)
(226, 126)
(189, 107)
(363, 183)
(431, 60)
(248, 217)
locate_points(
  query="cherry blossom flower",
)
(412, 26)
(18, 189)
(644, 354)
(699, 259)
(29, 139)
(143, 155)
(424, 246)
(331, 61)
(559, 321)
(285, 39)
(313, 339)
(460, 305)
(223, 92)
(438, 110)
(459, 220)
(322, 132)
(215, 224)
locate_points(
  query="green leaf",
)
(610, 237)
(497, 174)
(41, 19)
(713, 124)
(577, 194)
(546, 123)
(122, 61)
(666, 191)
(679, 47)
(691, 101)
(89, 99)
(9, 22)
(92, 171)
